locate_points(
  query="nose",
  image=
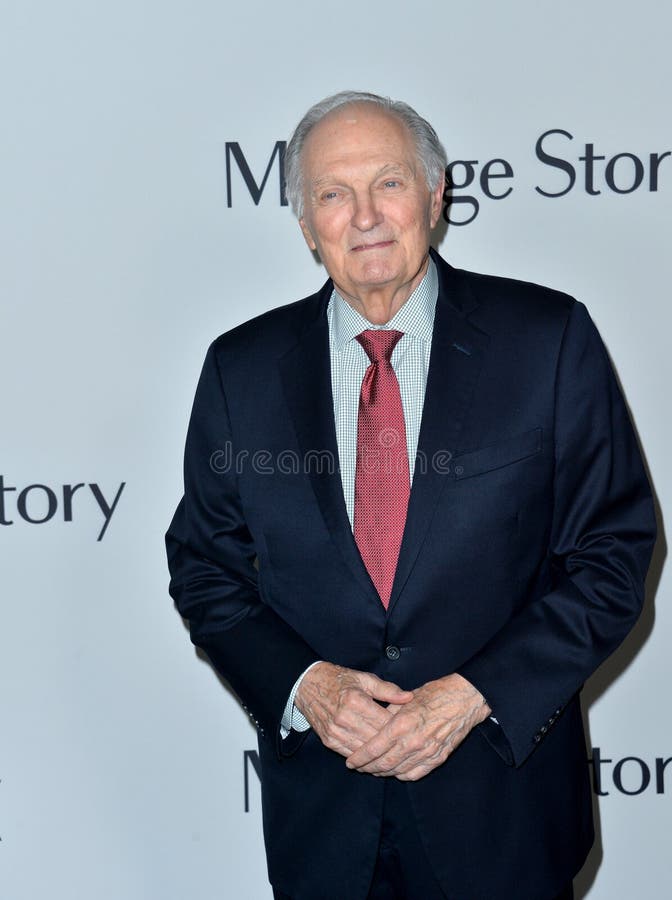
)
(365, 214)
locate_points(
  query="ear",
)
(307, 234)
(437, 201)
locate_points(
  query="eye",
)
(391, 183)
(328, 196)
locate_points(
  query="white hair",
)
(430, 150)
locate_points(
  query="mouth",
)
(377, 245)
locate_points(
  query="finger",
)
(357, 731)
(383, 766)
(360, 715)
(356, 706)
(406, 763)
(386, 691)
(393, 764)
(421, 768)
(344, 748)
(340, 741)
(416, 773)
(401, 743)
(352, 725)
(371, 751)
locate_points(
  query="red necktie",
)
(382, 480)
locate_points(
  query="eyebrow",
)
(389, 169)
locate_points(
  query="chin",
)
(375, 273)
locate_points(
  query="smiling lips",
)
(377, 246)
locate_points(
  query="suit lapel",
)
(306, 377)
(458, 349)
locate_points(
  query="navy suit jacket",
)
(529, 532)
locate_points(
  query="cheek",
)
(330, 232)
(415, 232)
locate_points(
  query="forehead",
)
(354, 135)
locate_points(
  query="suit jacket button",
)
(392, 652)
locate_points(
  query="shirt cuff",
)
(292, 718)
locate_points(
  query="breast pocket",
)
(497, 456)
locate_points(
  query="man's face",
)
(367, 208)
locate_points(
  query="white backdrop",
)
(122, 757)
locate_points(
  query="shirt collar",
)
(415, 317)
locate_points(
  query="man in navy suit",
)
(410, 641)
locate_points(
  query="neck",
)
(381, 303)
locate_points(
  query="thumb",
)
(386, 690)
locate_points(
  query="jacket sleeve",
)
(602, 536)
(211, 557)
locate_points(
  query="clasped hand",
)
(416, 732)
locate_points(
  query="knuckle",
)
(327, 737)
(356, 699)
(330, 741)
(340, 720)
(413, 745)
(349, 694)
(334, 727)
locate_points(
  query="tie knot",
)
(379, 343)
